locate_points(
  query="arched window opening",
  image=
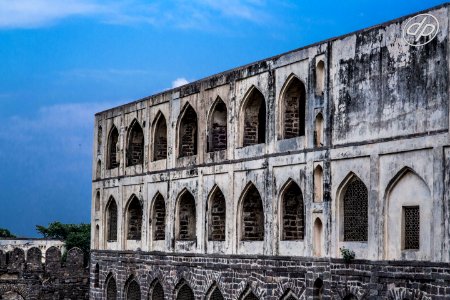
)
(112, 148)
(185, 292)
(160, 138)
(135, 149)
(218, 127)
(318, 131)
(134, 219)
(320, 78)
(99, 139)
(98, 171)
(157, 292)
(217, 217)
(249, 295)
(294, 99)
(318, 289)
(293, 220)
(318, 184)
(97, 201)
(317, 246)
(254, 117)
(188, 133)
(186, 217)
(355, 204)
(133, 291)
(216, 294)
(288, 295)
(159, 218)
(111, 289)
(96, 276)
(252, 218)
(112, 220)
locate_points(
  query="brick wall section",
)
(252, 216)
(160, 147)
(293, 215)
(159, 219)
(186, 217)
(55, 279)
(188, 133)
(254, 119)
(294, 113)
(134, 220)
(217, 217)
(271, 278)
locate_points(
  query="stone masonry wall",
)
(271, 278)
(24, 276)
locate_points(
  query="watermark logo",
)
(420, 30)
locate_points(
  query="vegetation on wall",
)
(5, 233)
(73, 235)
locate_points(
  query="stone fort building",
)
(246, 184)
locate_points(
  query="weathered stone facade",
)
(341, 144)
(24, 276)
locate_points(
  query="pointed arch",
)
(318, 130)
(159, 218)
(159, 137)
(318, 238)
(320, 78)
(408, 203)
(132, 289)
(217, 126)
(113, 139)
(111, 220)
(217, 215)
(251, 214)
(110, 287)
(318, 184)
(97, 201)
(187, 132)
(214, 293)
(99, 139)
(289, 295)
(248, 294)
(186, 221)
(354, 198)
(318, 289)
(156, 291)
(293, 104)
(134, 218)
(253, 118)
(292, 212)
(183, 291)
(135, 144)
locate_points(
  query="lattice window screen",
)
(355, 211)
(412, 227)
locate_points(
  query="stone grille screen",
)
(412, 227)
(355, 212)
(112, 221)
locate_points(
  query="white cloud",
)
(179, 82)
(196, 14)
(35, 13)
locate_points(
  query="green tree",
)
(5, 233)
(73, 235)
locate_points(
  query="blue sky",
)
(62, 61)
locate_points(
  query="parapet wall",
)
(24, 275)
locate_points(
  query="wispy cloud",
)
(179, 82)
(193, 14)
